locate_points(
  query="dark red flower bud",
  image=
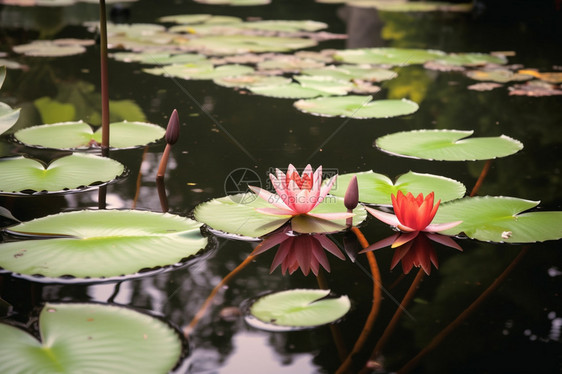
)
(351, 198)
(173, 129)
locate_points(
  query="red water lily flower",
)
(304, 251)
(413, 218)
(413, 215)
(298, 194)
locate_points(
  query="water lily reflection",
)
(413, 215)
(418, 252)
(298, 194)
(304, 251)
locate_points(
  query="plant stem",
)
(480, 180)
(164, 162)
(201, 312)
(104, 82)
(139, 179)
(377, 298)
(396, 317)
(464, 315)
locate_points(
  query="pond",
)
(492, 307)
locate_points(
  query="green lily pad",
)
(73, 172)
(411, 6)
(49, 48)
(497, 75)
(298, 309)
(8, 116)
(189, 19)
(100, 244)
(234, 2)
(238, 44)
(387, 56)
(286, 26)
(236, 214)
(500, 219)
(288, 91)
(91, 338)
(471, 59)
(350, 72)
(163, 58)
(80, 135)
(356, 106)
(376, 188)
(251, 80)
(201, 70)
(447, 145)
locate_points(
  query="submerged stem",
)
(464, 315)
(104, 82)
(481, 178)
(377, 298)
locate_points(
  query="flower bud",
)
(351, 198)
(173, 129)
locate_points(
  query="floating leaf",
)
(349, 72)
(48, 48)
(288, 63)
(552, 77)
(535, 89)
(153, 58)
(376, 188)
(189, 19)
(234, 2)
(500, 219)
(100, 244)
(497, 75)
(251, 80)
(236, 214)
(8, 116)
(357, 107)
(237, 44)
(387, 56)
(471, 59)
(91, 338)
(77, 171)
(484, 86)
(80, 135)
(447, 145)
(288, 91)
(300, 308)
(201, 70)
(411, 6)
(286, 26)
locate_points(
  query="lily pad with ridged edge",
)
(447, 145)
(387, 56)
(356, 106)
(91, 338)
(236, 214)
(298, 309)
(500, 219)
(80, 135)
(93, 245)
(376, 188)
(21, 175)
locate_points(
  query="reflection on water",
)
(521, 319)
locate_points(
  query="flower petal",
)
(387, 218)
(445, 240)
(269, 197)
(436, 227)
(404, 238)
(381, 244)
(329, 245)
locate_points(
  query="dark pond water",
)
(516, 329)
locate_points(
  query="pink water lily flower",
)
(298, 194)
(413, 215)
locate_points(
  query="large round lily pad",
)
(236, 214)
(355, 106)
(500, 219)
(73, 172)
(91, 338)
(376, 188)
(298, 309)
(80, 135)
(100, 244)
(447, 145)
(387, 56)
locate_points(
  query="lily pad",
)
(234, 2)
(471, 59)
(376, 188)
(238, 44)
(91, 338)
(90, 245)
(8, 116)
(80, 135)
(48, 48)
(236, 214)
(288, 91)
(497, 75)
(201, 70)
(447, 145)
(500, 219)
(387, 56)
(251, 80)
(356, 106)
(411, 6)
(298, 309)
(74, 172)
(190, 19)
(153, 58)
(349, 72)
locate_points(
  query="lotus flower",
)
(302, 251)
(413, 215)
(298, 194)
